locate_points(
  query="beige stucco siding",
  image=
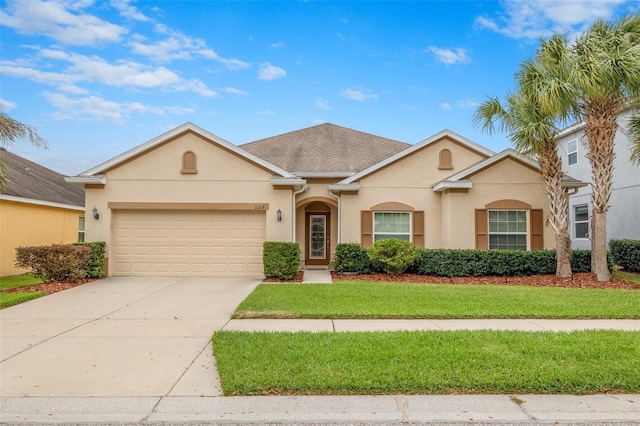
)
(222, 177)
(408, 181)
(24, 224)
(504, 180)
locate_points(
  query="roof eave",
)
(87, 180)
(342, 187)
(40, 202)
(444, 185)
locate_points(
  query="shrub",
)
(57, 262)
(281, 259)
(626, 254)
(95, 267)
(394, 256)
(352, 257)
(459, 263)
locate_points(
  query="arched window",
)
(189, 163)
(446, 160)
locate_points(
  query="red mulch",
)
(48, 288)
(582, 280)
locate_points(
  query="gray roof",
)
(27, 179)
(325, 148)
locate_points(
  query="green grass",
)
(428, 362)
(10, 299)
(365, 299)
(16, 281)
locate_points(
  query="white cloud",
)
(277, 45)
(181, 46)
(98, 108)
(450, 56)
(93, 69)
(128, 11)
(445, 106)
(358, 94)
(63, 22)
(235, 91)
(7, 105)
(543, 18)
(322, 104)
(270, 72)
(461, 104)
(266, 112)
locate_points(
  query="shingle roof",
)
(325, 148)
(27, 179)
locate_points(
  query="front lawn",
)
(428, 362)
(366, 299)
(17, 281)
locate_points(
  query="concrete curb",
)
(384, 409)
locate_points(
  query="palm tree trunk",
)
(600, 130)
(551, 169)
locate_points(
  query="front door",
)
(317, 230)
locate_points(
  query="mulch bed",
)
(582, 280)
(48, 288)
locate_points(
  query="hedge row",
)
(352, 258)
(63, 262)
(626, 254)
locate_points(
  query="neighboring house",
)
(191, 203)
(623, 218)
(38, 207)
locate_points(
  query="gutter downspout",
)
(293, 210)
(339, 198)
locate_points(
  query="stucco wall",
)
(505, 180)
(33, 225)
(408, 181)
(223, 177)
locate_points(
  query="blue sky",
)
(97, 78)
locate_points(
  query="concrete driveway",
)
(119, 337)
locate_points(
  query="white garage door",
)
(179, 243)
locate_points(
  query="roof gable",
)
(172, 134)
(417, 147)
(325, 149)
(32, 181)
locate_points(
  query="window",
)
(81, 229)
(581, 221)
(572, 151)
(391, 225)
(507, 229)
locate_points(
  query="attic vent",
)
(189, 163)
(27, 169)
(446, 160)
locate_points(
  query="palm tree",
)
(593, 80)
(533, 132)
(10, 131)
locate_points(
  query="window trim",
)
(569, 153)
(575, 222)
(81, 229)
(526, 233)
(373, 224)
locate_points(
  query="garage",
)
(187, 243)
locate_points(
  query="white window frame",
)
(373, 225)
(82, 223)
(576, 222)
(571, 152)
(525, 233)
